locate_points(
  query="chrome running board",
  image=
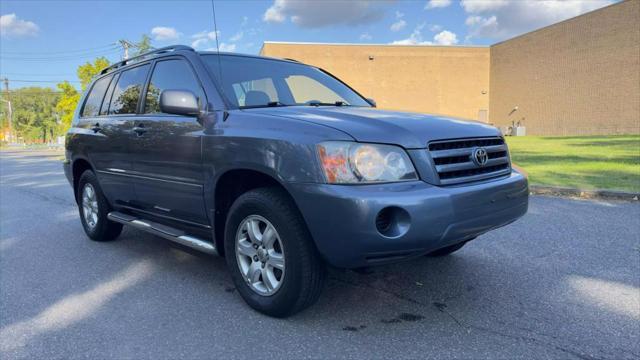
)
(164, 231)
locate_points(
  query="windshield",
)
(254, 82)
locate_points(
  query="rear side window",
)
(172, 75)
(127, 91)
(94, 99)
(107, 98)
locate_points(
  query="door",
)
(106, 146)
(166, 149)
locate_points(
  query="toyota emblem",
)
(480, 156)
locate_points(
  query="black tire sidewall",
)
(280, 303)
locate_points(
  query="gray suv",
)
(281, 168)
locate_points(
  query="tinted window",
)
(173, 75)
(107, 98)
(127, 92)
(94, 99)
(257, 82)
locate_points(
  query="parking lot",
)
(563, 282)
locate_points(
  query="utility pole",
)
(125, 46)
(10, 112)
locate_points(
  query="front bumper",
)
(342, 218)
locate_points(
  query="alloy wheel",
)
(260, 255)
(90, 205)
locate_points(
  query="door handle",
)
(96, 128)
(139, 130)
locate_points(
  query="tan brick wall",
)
(577, 77)
(450, 81)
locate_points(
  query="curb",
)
(584, 194)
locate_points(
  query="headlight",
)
(352, 163)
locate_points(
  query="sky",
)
(43, 42)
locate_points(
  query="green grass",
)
(584, 162)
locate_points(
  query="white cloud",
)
(237, 36)
(204, 39)
(398, 25)
(435, 28)
(210, 35)
(442, 38)
(199, 43)
(502, 19)
(227, 47)
(366, 37)
(274, 14)
(432, 4)
(315, 14)
(414, 39)
(163, 33)
(11, 26)
(474, 6)
(223, 47)
(445, 38)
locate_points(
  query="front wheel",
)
(271, 256)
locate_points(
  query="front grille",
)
(454, 164)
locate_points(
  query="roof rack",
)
(145, 55)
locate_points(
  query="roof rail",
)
(290, 59)
(145, 55)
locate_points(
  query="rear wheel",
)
(93, 207)
(270, 253)
(446, 250)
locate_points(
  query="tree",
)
(87, 71)
(143, 46)
(67, 104)
(34, 116)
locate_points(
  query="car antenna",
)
(215, 31)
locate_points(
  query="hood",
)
(410, 130)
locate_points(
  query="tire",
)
(447, 250)
(98, 227)
(298, 284)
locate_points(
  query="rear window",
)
(127, 92)
(94, 99)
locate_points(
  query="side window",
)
(306, 89)
(173, 75)
(94, 99)
(127, 91)
(107, 98)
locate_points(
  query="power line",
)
(44, 81)
(18, 92)
(58, 52)
(49, 55)
(32, 74)
(61, 58)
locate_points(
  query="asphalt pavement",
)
(563, 282)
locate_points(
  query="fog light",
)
(393, 222)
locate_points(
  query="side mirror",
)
(179, 102)
(372, 102)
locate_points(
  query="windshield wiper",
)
(269, 104)
(318, 103)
